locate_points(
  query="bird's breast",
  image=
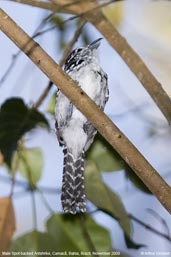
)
(89, 80)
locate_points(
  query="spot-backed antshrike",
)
(73, 130)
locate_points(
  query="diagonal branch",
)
(103, 124)
(56, 6)
(93, 14)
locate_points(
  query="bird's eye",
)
(80, 61)
(78, 50)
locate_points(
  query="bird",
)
(74, 131)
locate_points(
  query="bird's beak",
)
(95, 44)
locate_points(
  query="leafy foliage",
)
(108, 201)
(104, 198)
(59, 236)
(34, 241)
(106, 159)
(29, 162)
(15, 120)
(51, 106)
(136, 181)
(104, 156)
(63, 227)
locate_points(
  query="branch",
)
(150, 228)
(86, 235)
(100, 121)
(71, 43)
(58, 6)
(39, 4)
(93, 14)
(161, 219)
(43, 95)
(25, 185)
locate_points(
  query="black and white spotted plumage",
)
(74, 132)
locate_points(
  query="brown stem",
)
(100, 121)
(71, 43)
(87, 236)
(44, 5)
(161, 220)
(56, 6)
(43, 95)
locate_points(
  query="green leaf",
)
(71, 232)
(104, 198)
(15, 120)
(33, 242)
(136, 180)
(51, 107)
(104, 156)
(29, 162)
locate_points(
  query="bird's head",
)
(82, 56)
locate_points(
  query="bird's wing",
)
(63, 113)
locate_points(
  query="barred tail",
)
(73, 196)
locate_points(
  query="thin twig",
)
(44, 200)
(25, 185)
(55, 7)
(88, 239)
(148, 227)
(12, 185)
(72, 42)
(20, 194)
(13, 172)
(8, 180)
(36, 34)
(155, 214)
(9, 69)
(40, 33)
(34, 210)
(43, 95)
(100, 6)
(61, 63)
(59, 6)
